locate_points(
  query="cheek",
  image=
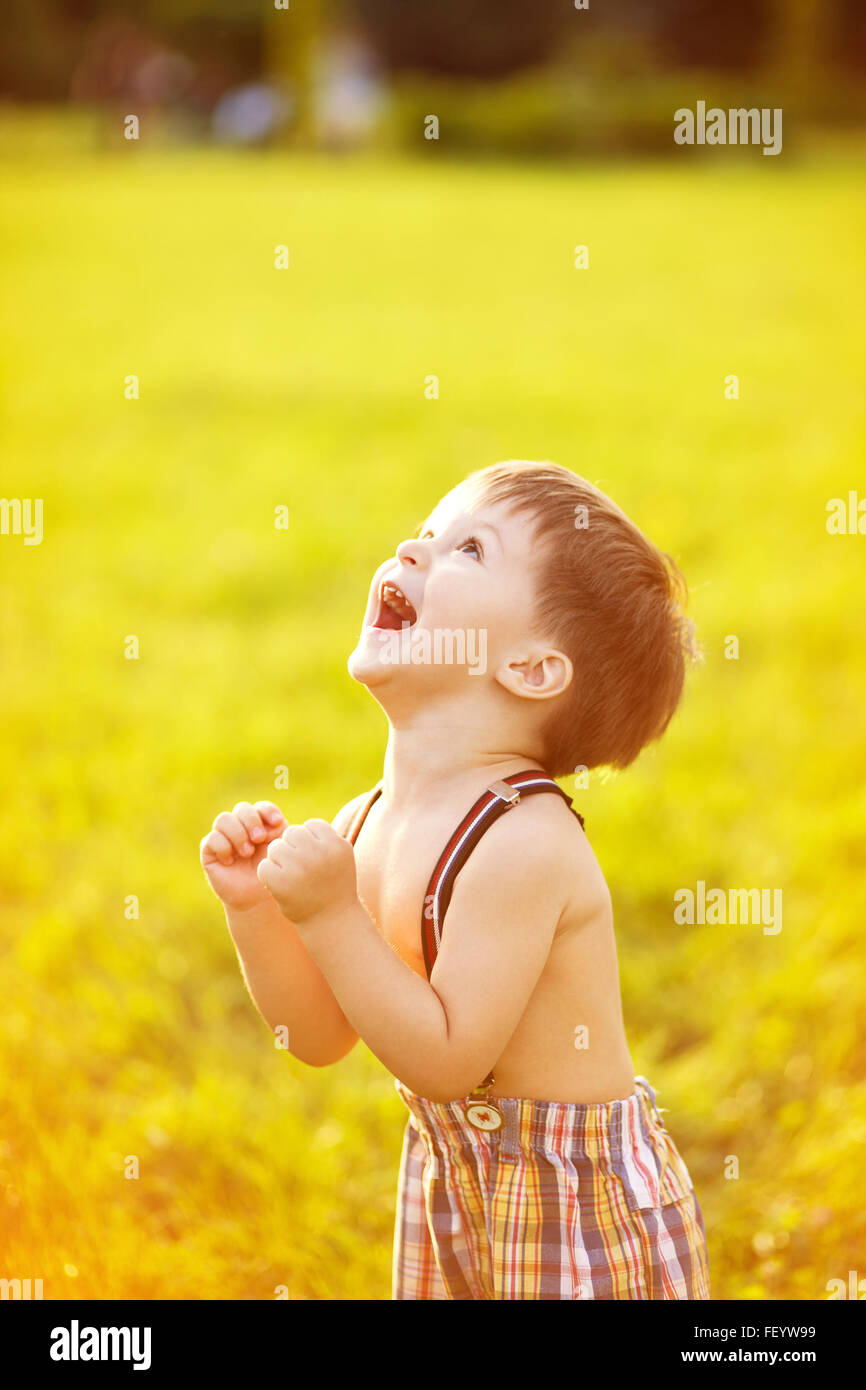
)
(506, 618)
(452, 600)
(475, 601)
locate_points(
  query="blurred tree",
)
(291, 41)
(40, 47)
(472, 38)
(848, 38)
(237, 41)
(799, 54)
(701, 33)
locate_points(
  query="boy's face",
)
(470, 570)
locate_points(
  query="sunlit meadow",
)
(130, 1036)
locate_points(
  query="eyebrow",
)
(478, 526)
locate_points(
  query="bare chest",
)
(394, 870)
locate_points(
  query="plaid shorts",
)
(563, 1202)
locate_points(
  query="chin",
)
(376, 662)
(361, 670)
(365, 663)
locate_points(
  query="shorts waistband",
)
(603, 1128)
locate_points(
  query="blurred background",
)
(126, 1030)
(545, 78)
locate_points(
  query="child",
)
(455, 916)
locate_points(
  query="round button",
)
(483, 1116)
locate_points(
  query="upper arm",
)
(507, 902)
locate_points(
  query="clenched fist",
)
(232, 852)
(310, 870)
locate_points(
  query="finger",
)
(319, 829)
(293, 835)
(271, 815)
(217, 846)
(235, 831)
(267, 873)
(250, 820)
(279, 853)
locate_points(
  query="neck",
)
(433, 756)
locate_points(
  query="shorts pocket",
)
(653, 1173)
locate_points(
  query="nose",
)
(411, 552)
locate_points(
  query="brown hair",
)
(611, 601)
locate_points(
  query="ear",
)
(538, 676)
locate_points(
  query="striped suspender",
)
(493, 803)
(361, 815)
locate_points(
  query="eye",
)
(471, 540)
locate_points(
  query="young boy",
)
(466, 932)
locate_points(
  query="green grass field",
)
(305, 387)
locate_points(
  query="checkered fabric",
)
(565, 1201)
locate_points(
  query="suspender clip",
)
(505, 792)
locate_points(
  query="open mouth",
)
(395, 610)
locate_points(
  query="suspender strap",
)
(493, 803)
(361, 813)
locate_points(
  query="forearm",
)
(287, 986)
(397, 1013)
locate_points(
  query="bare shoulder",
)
(346, 814)
(539, 849)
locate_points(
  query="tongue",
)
(389, 619)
